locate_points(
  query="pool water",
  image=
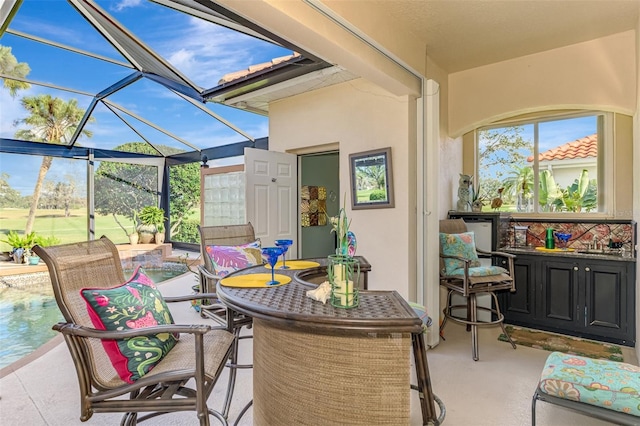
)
(28, 310)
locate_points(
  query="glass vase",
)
(344, 276)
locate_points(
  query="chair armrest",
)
(188, 297)
(496, 253)
(80, 331)
(203, 271)
(462, 259)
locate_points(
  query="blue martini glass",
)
(563, 239)
(284, 245)
(272, 254)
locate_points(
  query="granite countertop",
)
(573, 254)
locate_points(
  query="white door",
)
(271, 196)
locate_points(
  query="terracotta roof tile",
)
(255, 68)
(580, 148)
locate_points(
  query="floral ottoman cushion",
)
(603, 383)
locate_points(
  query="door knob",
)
(575, 268)
(587, 269)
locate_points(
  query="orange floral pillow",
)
(134, 304)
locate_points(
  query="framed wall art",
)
(371, 179)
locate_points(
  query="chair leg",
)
(533, 408)
(501, 319)
(233, 370)
(427, 398)
(473, 312)
(446, 311)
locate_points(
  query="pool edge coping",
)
(43, 349)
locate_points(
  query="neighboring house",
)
(567, 161)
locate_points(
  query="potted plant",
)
(477, 201)
(151, 218)
(42, 242)
(21, 245)
(159, 236)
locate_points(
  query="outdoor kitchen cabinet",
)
(518, 307)
(589, 298)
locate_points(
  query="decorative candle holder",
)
(344, 276)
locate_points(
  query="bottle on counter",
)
(550, 242)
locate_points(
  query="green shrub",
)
(377, 195)
(187, 232)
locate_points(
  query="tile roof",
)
(232, 76)
(580, 148)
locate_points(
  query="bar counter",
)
(316, 364)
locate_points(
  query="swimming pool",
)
(28, 310)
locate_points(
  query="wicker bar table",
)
(316, 365)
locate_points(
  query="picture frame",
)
(371, 179)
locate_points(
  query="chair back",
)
(450, 226)
(72, 267)
(225, 235)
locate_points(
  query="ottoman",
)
(604, 389)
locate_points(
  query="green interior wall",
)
(321, 170)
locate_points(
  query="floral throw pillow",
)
(135, 304)
(227, 259)
(461, 245)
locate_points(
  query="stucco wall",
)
(360, 117)
(599, 74)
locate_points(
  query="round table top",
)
(288, 306)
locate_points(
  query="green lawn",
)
(66, 229)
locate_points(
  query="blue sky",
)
(202, 51)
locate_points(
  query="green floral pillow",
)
(461, 245)
(134, 304)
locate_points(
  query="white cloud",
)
(11, 110)
(205, 52)
(124, 4)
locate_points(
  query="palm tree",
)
(519, 185)
(10, 66)
(52, 120)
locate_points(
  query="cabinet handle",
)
(504, 262)
(575, 268)
(587, 269)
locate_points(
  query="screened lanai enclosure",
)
(110, 106)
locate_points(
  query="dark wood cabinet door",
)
(559, 295)
(607, 295)
(518, 307)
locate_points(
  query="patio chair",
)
(89, 272)
(225, 236)
(462, 273)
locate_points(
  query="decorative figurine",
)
(465, 189)
(496, 203)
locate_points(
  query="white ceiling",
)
(463, 34)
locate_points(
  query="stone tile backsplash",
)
(583, 234)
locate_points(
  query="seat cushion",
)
(481, 271)
(227, 259)
(421, 311)
(460, 245)
(608, 384)
(135, 304)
